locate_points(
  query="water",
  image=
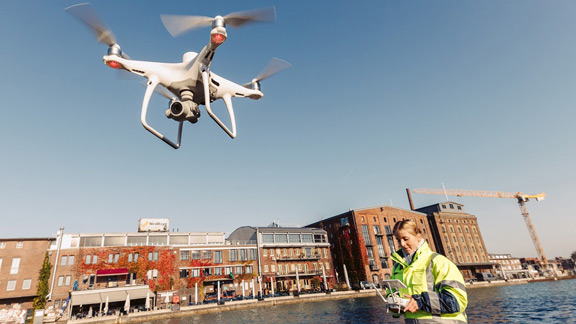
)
(544, 302)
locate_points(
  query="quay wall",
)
(243, 304)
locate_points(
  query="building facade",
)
(20, 262)
(175, 267)
(457, 235)
(362, 242)
(508, 267)
(290, 259)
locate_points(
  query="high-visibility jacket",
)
(433, 274)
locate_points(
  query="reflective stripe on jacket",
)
(431, 273)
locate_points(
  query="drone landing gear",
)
(152, 83)
(227, 100)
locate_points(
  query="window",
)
(2, 245)
(153, 256)
(265, 268)
(307, 238)
(366, 235)
(217, 256)
(281, 238)
(19, 245)
(265, 252)
(0, 264)
(207, 254)
(243, 255)
(152, 274)
(195, 273)
(267, 238)
(184, 255)
(294, 238)
(233, 255)
(70, 260)
(60, 281)
(15, 266)
(26, 284)
(184, 273)
(68, 280)
(64, 260)
(252, 254)
(227, 270)
(95, 259)
(239, 270)
(249, 269)
(218, 271)
(376, 229)
(196, 255)
(11, 285)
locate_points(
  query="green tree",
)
(43, 289)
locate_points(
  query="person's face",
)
(408, 241)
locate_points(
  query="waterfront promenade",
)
(243, 304)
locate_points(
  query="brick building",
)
(362, 242)
(183, 267)
(20, 262)
(289, 258)
(457, 236)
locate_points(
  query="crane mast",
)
(521, 198)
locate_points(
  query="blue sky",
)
(381, 96)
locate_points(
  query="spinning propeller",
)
(88, 16)
(178, 24)
(276, 65)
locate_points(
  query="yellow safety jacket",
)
(432, 273)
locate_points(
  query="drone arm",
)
(152, 83)
(227, 100)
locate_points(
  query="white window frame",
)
(15, 266)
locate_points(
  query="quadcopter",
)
(190, 83)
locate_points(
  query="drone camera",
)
(183, 110)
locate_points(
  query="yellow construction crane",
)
(520, 197)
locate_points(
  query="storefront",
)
(108, 301)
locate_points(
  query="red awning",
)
(112, 272)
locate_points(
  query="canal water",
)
(543, 302)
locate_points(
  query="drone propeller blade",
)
(88, 16)
(276, 65)
(177, 25)
(237, 19)
(161, 90)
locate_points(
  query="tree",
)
(573, 255)
(43, 289)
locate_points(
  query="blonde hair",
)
(408, 225)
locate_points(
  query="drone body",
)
(189, 83)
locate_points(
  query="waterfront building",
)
(290, 259)
(180, 267)
(20, 262)
(362, 242)
(457, 236)
(508, 267)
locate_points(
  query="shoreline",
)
(273, 301)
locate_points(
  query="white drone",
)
(190, 83)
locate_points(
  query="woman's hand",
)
(412, 305)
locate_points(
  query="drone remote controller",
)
(396, 305)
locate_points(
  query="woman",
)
(434, 284)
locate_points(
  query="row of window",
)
(11, 284)
(293, 238)
(216, 271)
(459, 229)
(295, 252)
(19, 245)
(291, 268)
(14, 267)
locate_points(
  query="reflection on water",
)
(544, 302)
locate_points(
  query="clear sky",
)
(381, 96)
